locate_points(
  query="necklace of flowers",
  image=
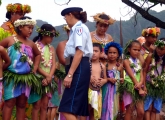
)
(102, 40)
(24, 57)
(136, 66)
(11, 27)
(157, 81)
(43, 61)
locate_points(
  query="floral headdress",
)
(66, 28)
(160, 43)
(98, 19)
(24, 22)
(48, 33)
(113, 44)
(18, 8)
(151, 31)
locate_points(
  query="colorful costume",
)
(45, 64)
(127, 88)
(110, 97)
(155, 86)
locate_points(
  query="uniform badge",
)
(79, 30)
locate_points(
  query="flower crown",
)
(66, 28)
(151, 31)
(24, 22)
(18, 8)
(47, 33)
(160, 43)
(98, 19)
(113, 44)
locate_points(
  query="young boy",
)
(98, 79)
(4, 63)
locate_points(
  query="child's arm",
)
(127, 67)
(53, 67)
(60, 51)
(4, 57)
(146, 67)
(37, 58)
(121, 73)
(102, 81)
(5, 42)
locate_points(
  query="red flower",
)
(150, 31)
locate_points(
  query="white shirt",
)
(79, 37)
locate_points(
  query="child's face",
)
(113, 54)
(160, 51)
(49, 39)
(134, 50)
(26, 30)
(151, 39)
(96, 53)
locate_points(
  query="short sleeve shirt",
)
(79, 38)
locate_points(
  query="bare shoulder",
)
(5, 27)
(103, 66)
(110, 37)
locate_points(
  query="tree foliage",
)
(143, 7)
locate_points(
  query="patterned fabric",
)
(110, 97)
(95, 100)
(144, 52)
(33, 96)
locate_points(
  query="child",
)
(154, 73)
(19, 77)
(110, 98)
(132, 88)
(98, 78)
(53, 103)
(3, 66)
(46, 70)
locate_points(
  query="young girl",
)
(19, 76)
(46, 70)
(155, 80)
(132, 88)
(110, 98)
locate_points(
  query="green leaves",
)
(17, 45)
(60, 74)
(23, 58)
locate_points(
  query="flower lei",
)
(136, 67)
(98, 19)
(24, 22)
(66, 28)
(24, 57)
(43, 61)
(157, 81)
(11, 27)
(151, 31)
(47, 33)
(160, 43)
(18, 8)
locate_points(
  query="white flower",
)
(157, 85)
(24, 22)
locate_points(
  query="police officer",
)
(77, 53)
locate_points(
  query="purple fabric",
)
(127, 99)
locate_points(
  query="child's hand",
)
(152, 48)
(138, 85)
(112, 80)
(44, 82)
(48, 78)
(93, 79)
(121, 80)
(145, 89)
(101, 82)
(34, 70)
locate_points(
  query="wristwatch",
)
(69, 76)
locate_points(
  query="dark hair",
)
(80, 16)
(129, 45)
(97, 45)
(22, 18)
(157, 58)
(103, 16)
(46, 27)
(8, 14)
